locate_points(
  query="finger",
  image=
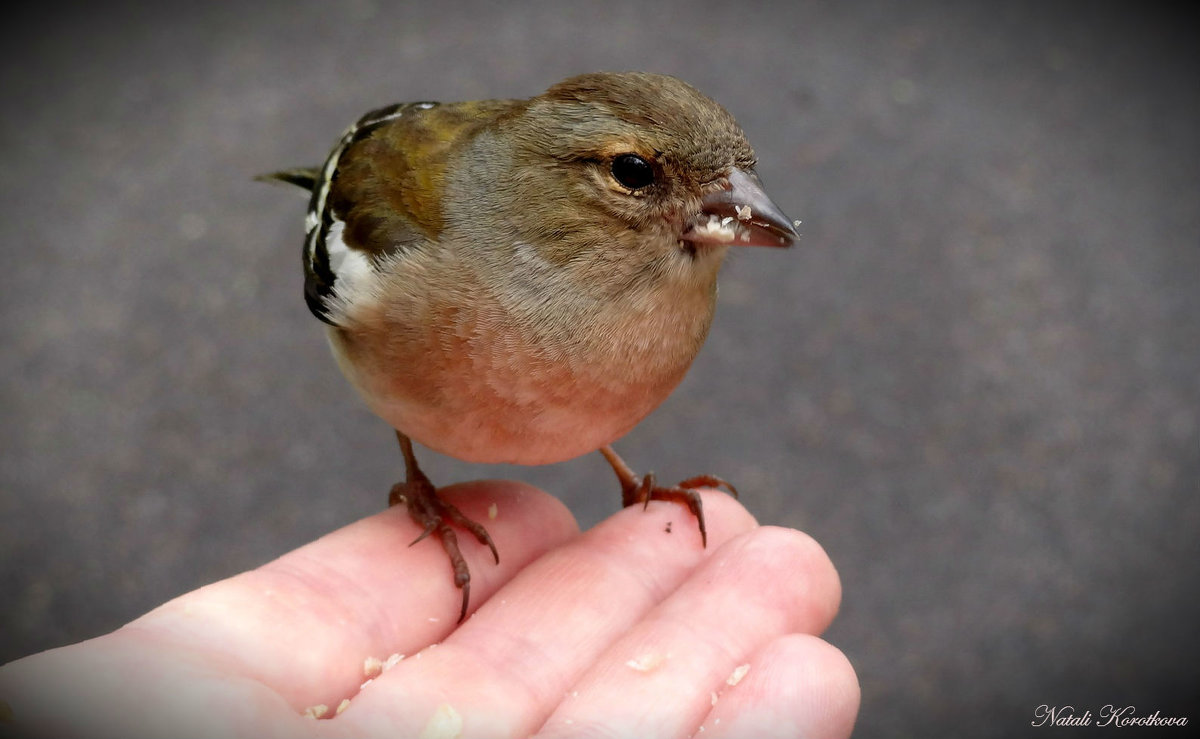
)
(304, 624)
(122, 685)
(506, 668)
(659, 677)
(796, 686)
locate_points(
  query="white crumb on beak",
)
(738, 673)
(493, 511)
(316, 711)
(445, 723)
(646, 662)
(342, 706)
(797, 223)
(372, 666)
(717, 229)
(743, 213)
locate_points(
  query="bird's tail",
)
(302, 177)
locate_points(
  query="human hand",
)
(625, 630)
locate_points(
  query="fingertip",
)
(796, 685)
(510, 503)
(790, 555)
(827, 677)
(724, 517)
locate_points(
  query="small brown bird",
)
(523, 281)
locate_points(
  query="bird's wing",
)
(379, 193)
(330, 253)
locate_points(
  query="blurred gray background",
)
(976, 382)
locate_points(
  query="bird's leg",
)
(644, 490)
(433, 514)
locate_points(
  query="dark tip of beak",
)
(741, 215)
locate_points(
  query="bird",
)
(524, 280)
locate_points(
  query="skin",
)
(548, 652)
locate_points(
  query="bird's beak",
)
(740, 215)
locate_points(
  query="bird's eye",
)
(632, 171)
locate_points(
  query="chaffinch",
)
(523, 281)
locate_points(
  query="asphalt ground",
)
(976, 381)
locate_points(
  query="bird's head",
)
(631, 174)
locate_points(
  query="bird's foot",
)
(644, 490)
(683, 492)
(433, 514)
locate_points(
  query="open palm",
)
(629, 629)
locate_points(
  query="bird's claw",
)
(684, 492)
(433, 514)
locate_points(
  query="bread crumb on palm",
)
(738, 673)
(445, 723)
(372, 666)
(646, 662)
(316, 711)
(342, 706)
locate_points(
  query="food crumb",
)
(713, 695)
(372, 666)
(392, 661)
(738, 674)
(493, 511)
(716, 228)
(342, 706)
(646, 662)
(445, 723)
(316, 711)
(743, 213)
